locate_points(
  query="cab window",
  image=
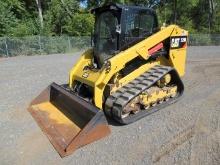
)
(138, 25)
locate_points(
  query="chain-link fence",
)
(34, 45)
(204, 40)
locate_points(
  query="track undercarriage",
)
(156, 88)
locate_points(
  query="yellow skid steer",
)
(132, 70)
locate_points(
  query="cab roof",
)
(116, 6)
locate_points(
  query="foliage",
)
(80, 25)
(7, 18)
(71, 17)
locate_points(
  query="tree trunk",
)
(175, 11)
(211, 12)
(40, 13)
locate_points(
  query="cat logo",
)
(175, 42)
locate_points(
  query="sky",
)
(83, 4)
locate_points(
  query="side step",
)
(68, 121)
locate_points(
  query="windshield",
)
(139, 24)
(105, 36)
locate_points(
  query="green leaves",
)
(7, 19)
(80, 25)
(68, 17)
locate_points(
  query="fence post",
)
(69, 44)
(39, 43)
(6, 47)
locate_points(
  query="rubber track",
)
(118, 100)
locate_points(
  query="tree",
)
(80, 25)
(7, 19)
(68, 17)
(58, 15)
(38, 2)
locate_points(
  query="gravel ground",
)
(187, 132)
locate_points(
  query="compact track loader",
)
(132, 70)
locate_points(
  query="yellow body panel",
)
(98, 79)
(178, 60)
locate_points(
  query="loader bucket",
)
(68, 121)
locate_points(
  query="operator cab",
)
(118, 27)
